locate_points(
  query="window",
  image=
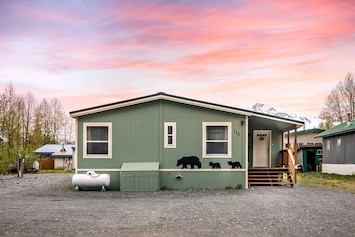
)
(97, 140)
(170, 135)
(216, 139)
(327, 145)
(338, 141)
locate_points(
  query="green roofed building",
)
(163, 141)
(339, 149)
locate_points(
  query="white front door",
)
(261, 148)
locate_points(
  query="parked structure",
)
(174, 139)
(309, 149)
(339, 149)
(56, 156)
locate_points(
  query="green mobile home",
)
(172, 141)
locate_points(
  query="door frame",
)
(268, 147)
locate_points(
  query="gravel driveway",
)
(42, 205)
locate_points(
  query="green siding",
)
(189, 134)
(202, 179)
(137, 136)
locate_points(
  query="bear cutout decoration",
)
(215, 165)
(235, 164)
(189, 160)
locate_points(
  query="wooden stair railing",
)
(292, 164)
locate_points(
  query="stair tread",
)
(276, 176)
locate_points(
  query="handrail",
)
(292, 165)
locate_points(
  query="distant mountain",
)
(309, 121)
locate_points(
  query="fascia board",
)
(158, 97)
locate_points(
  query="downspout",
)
(246, 132)
(75, 158)
(295, 146)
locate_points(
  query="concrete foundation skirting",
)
(344, 169)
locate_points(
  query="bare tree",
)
(57, 119)
(341, 101)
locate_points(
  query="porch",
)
(275, 176)
(282, 172)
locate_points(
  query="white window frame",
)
(109, 126)
(229, 139)
(167, 135)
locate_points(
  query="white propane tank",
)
(90, 180)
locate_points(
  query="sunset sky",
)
(286, 54)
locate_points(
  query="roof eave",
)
(159, 96)
(181, 100)
(335, 133)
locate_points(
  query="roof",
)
(140, 166)
(182, 100)
(56, 150)
(342, 128)
(308, 131)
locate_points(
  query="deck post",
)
(295, 146)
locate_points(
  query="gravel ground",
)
(42, 205)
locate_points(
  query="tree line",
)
(26, 125)
(339, 104)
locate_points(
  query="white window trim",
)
(204, 139)
(109, 155)
(166, 135)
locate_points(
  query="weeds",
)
(345, 182)
(55, 171)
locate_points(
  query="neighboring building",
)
(150, 135)
(55, 156)
(305, 137)
(309, 149)
(339, 149)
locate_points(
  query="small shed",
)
(310, 157)
(140, 176)
(339, 149)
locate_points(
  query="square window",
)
(97, 140)
(216, 139)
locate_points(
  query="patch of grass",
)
(56, 171)
(344, 182)
(239, 186)
(68, 187)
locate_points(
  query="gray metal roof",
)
(56, 150)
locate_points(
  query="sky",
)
(285, 54)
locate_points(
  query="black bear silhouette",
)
(215, 165)
(235, 164)
(189, 160)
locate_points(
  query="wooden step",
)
(269, 177)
